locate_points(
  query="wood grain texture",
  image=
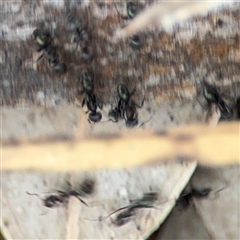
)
(167, 69)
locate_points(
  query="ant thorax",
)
(91, 102)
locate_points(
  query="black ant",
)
(145, 202)
(126, 109)
(128, 211)
(131, 10)
(147, 199)
(185, 200)
(134, 41)
(90, 99)
(44, 41)
(62, 197)
(124, 217)
(82, 36)
(212, 96)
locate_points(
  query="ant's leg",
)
(33, 194)
(217, 109)
(39, 58)
(119, 14)
(133, 91)
(145, 122)
(40, 49)
(83, 102)
(142, 101)
(112, 120)
(76, 46)
(90, 121)
(204, 107)
(100, 105)
(83, 202)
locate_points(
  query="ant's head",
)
(135, 42)
(87, 82)
(210, 92)
(52, 201)
(87, 53)
(87, 187)
(42, 38)
(131, 10)
(123, 92)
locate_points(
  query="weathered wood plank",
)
(25, 217)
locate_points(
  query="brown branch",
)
(218, 145)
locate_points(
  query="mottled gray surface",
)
(168, 70)
(214, 217)
(24, 216)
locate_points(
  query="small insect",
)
(57, 199)
(82, 37)
(90, 99)
(62, 197)
(126, 108)
(124, 217)
(238, 108)
(185, 200)
(43, 40)
(128, 211)
(54, 200)
(147, 199)
(212, 96)
(135, 42)
(131, 10)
